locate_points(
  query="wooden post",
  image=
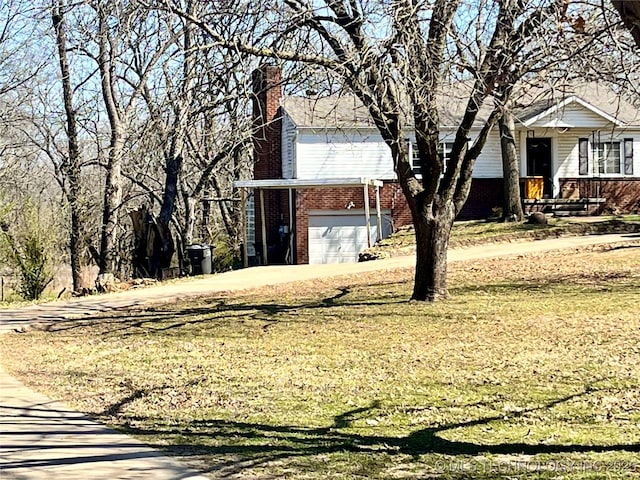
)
(265, 255)
(291, 239)
(367, 213)
(378, 213)
(243, 215)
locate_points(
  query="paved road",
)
(43, 439)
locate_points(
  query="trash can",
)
(200, 259)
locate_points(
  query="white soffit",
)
(280, 183)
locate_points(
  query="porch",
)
(564, 206)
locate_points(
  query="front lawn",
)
(479, 232)
(532, 370)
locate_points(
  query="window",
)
(583, 156)
(250, 213)
(628, 156)
(607, 157)
(444, 150)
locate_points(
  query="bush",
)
(223, 257)
(26, 247)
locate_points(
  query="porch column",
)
(291, 239)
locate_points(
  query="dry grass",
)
(532, 370)
(481, 232)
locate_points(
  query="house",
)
(325, 187)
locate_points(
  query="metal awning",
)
(287, 183)
(292, 184)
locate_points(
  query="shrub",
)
(27, 247)
(223, 256)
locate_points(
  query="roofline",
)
(567, 101)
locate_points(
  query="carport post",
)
(291, 226)
(264, 229)
(367, 213)
(243, 214)
(378, 213)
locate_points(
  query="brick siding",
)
(267, 153)
(622, 194)
(338, 198)
(485, 194)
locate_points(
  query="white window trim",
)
(595, 158)
(443, 146)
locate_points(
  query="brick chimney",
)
(267, 140)
(267, 155)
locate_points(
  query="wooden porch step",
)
(563, 206)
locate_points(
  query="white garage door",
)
(340, 237)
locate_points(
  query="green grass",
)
(532, 370)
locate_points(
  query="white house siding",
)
(342, 154)
(489, 162)
(288, 147)
(565, 153)
(567, 150)
(574, 115)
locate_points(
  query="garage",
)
(339, 236)
(335, 236)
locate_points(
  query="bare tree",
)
(630, 14)
(70, 166)
(396, 57)
(198, 127)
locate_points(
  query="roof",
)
(347, 111)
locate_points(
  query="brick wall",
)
(267, 152)
(337, 198)
(622, 194)
(485, 194)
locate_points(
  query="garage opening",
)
(338, 236)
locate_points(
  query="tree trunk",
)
(512, 203)
(112, 203)
(432, 220)
(189, 219)
(70, 166)
(113, 183)
(630, 15)
(432, 242)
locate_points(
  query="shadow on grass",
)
(212, 313)
(239, 445)
(585, 283)
(163, 319)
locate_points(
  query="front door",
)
(539, 162)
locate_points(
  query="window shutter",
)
(583, 156)
(628, 156)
